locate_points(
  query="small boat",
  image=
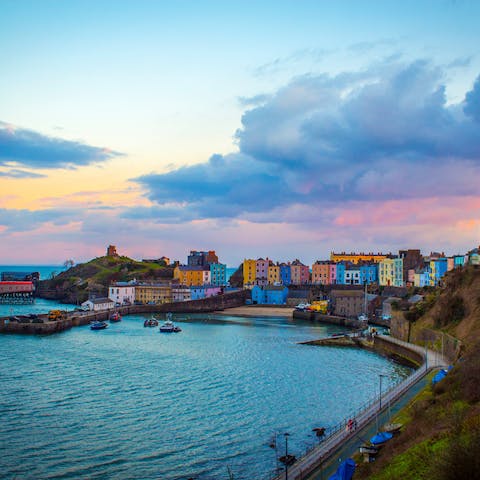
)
(169, 327)
(381, 438)
(392, 427)
(151, 322)
(98, 325)
(115, 317)
(368, 449)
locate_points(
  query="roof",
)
(11, 282)
(97, 301)
(197, 268)
(275, 287)
(347, 293)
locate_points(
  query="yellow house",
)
(273, 274)
(390, 272)
(153, 293)
(249, 272)
(192, 275)
(357, 257)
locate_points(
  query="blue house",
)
(258, 295)
(341, 273)
(369, 273)
(276, 295)
(270, 295)
(285, 274)
(218, 274)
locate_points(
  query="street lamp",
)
(381, 375)
(286, 455)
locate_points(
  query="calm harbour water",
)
(129, 402)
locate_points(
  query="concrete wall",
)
(399, 352)
(73, 319)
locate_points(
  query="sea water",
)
(130, 402)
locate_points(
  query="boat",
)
(151, 322)
(381, 438)
(368, 449)
(392, 427)
(115, 317)
(169, 327)
(98, 325)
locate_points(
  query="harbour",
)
(129, 402)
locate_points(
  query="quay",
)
(44, 326)
(308, 465)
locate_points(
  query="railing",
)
(337, 434)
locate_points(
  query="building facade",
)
(300, 273)
(218, 274)
(357, 257)
(122, 293)
(249, 273)
(261, 271)
(274, 274)
(390, 272)
(153, 293)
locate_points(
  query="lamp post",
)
(381, 375)
(286, 455)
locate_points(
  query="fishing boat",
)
(98, 325)
(115, 317)
(169, 327)
(288, 459)
(151, 322)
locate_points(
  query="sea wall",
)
(74, 319)
(398, 352)
(323, 318)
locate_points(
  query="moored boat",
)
(115, 317)
(151, 322)
(381, 438)
(169, 327)
(98, 325)
(392, 427)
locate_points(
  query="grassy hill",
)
(441, 437)
(77, 283)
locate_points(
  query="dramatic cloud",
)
(472, 102)
(386, 133)
(34, 150)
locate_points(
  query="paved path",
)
(320, 453)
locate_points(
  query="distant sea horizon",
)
(47, 270)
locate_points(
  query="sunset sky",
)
(278, 128)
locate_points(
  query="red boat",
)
(115, 317)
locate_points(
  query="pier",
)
(317, 456)
(43, 326)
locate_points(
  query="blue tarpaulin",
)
(381, 437)
(345, 471)
(440, 375)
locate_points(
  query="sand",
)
(254, 311)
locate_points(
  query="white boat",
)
(169, 326)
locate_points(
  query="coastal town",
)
(347, 284)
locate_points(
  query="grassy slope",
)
(76, 283)
(441, 437)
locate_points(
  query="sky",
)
(280, 129)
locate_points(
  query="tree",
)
(68, 263)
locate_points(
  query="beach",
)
(258, 311)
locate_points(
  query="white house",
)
(98, 304)
(122, 293)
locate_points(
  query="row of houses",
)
(408, 268)
(203, 268)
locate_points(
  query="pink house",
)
(261, 273)
(300, 273)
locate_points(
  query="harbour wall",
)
(332, 319)
(403, 354)
(75, 319)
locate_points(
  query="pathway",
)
(320, 453)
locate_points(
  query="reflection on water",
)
(130, 402)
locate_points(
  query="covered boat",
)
(380, 438)
(345, 471)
